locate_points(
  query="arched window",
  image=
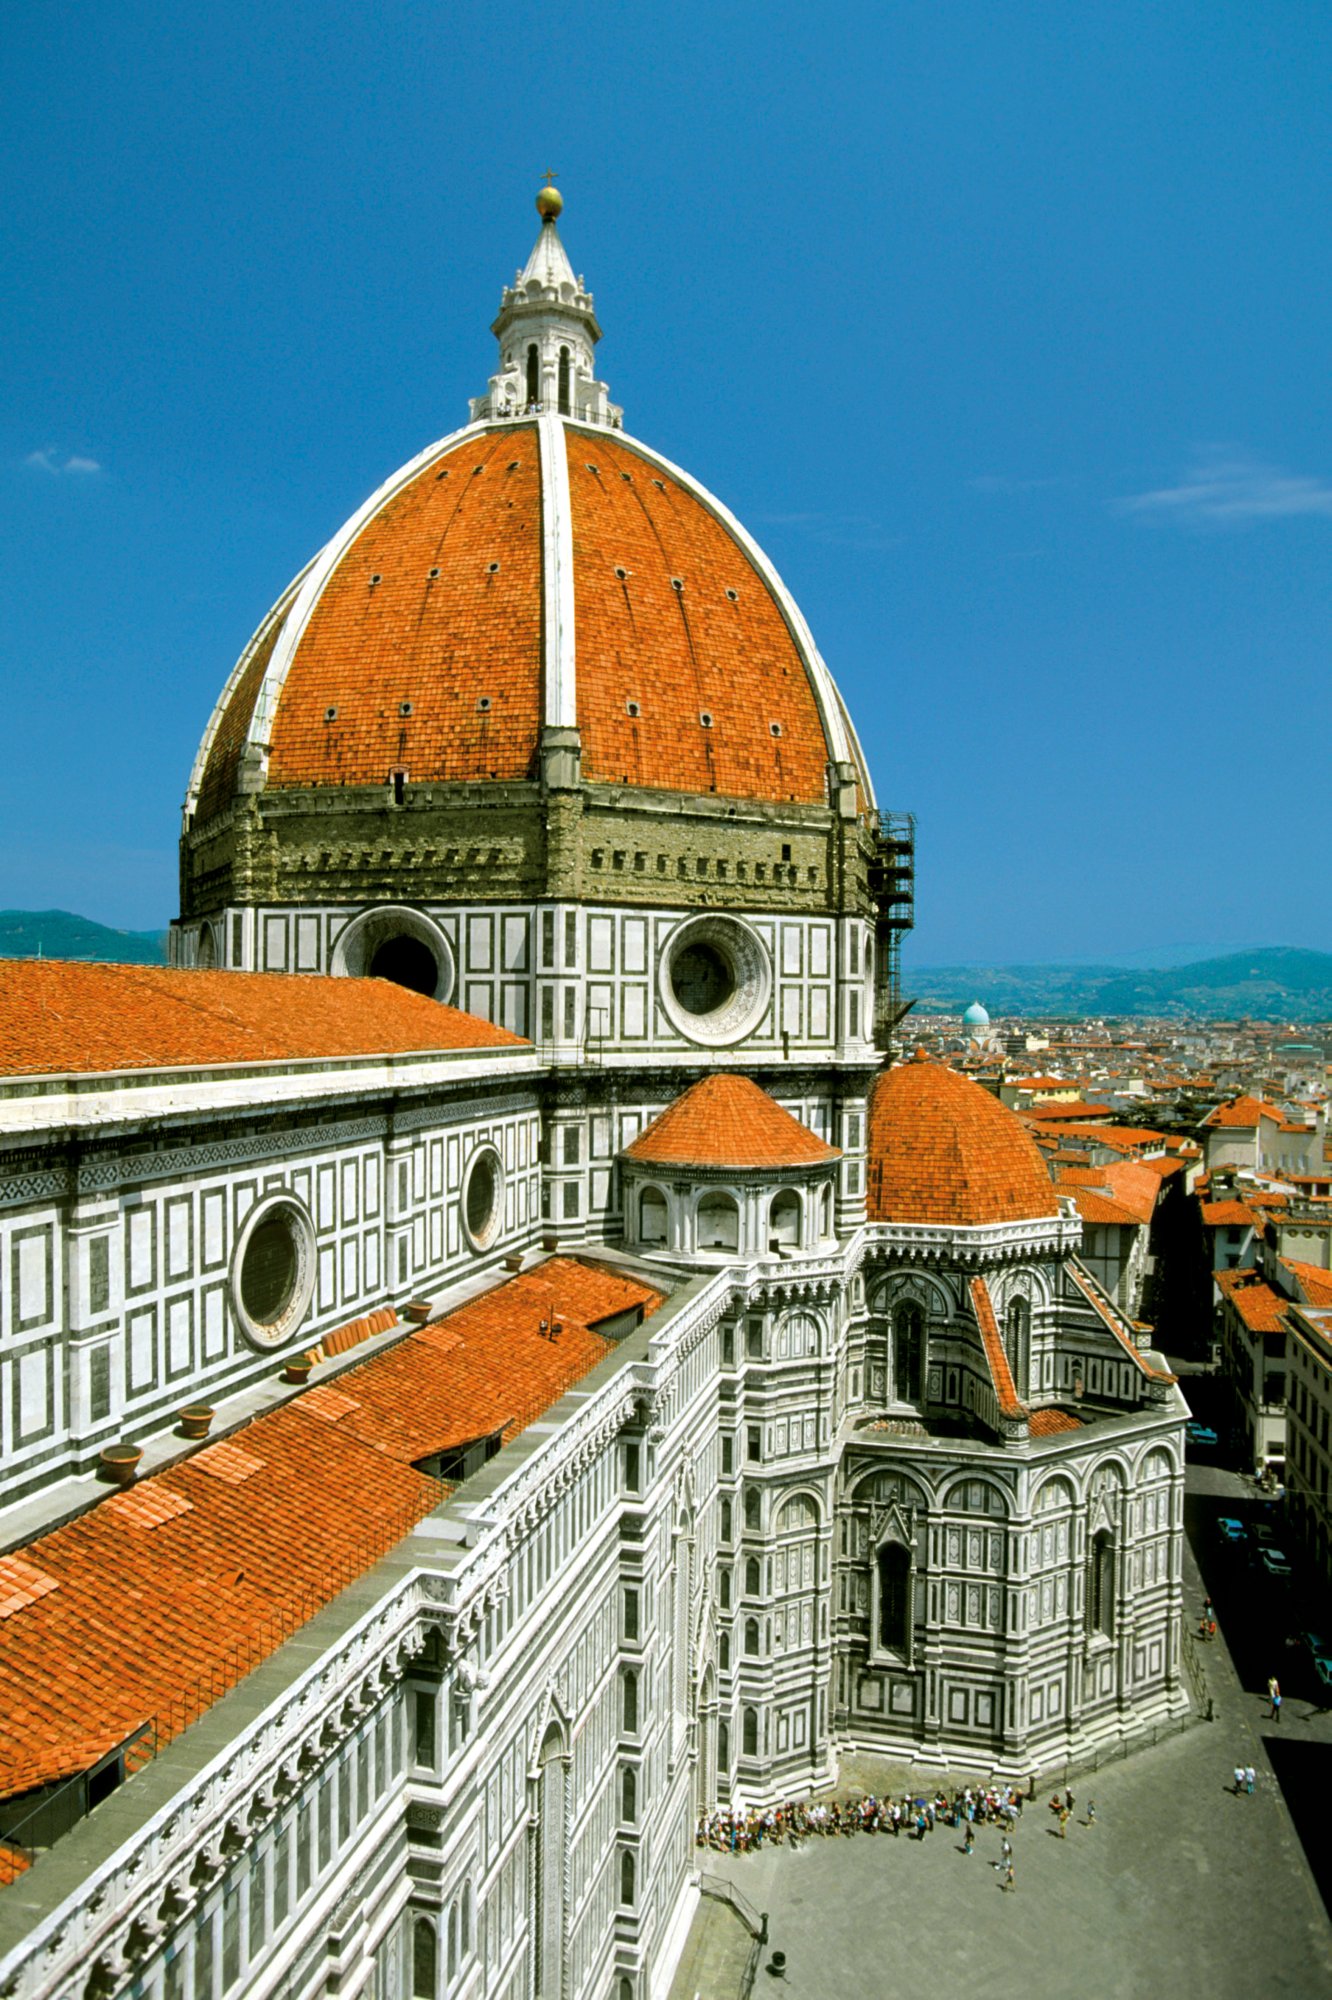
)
(629, 1702)
(909, 1356)
(1017, 1341)
(749, 1733)
(533, 376)
(753, 1577)
(652, 1216)
(752, 1637)
(628, 1794)
(1101, 1585)
(626, 1874)
(826, 1212)
(895, 1597)
(724, 1651)
(784, 1221)
(718, 1223)
(453, 1940)
(425, 1960)
(564, 381)
(552, 1836)
(724, 1748)
(465, 1920)
(726, 1520)
(753, 1507)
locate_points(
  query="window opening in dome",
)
(705, 718)
(734, 596)
(677, 583)
(434, 572)
(443, 474)
(628, 477)
(483, 703)
(564, 382)
(533, 377)
(621, 573)
(512, 465)
(775, 728)
(631, 708)
(404, 708)
(376, 578)
(660, 485)
(403, 960)
(330, 715)
(702, 980)
(492, 568)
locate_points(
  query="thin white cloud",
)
(1230, 487)
(57, 465)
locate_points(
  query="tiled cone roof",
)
(154, 1602)
(941, 1149)
(727, 1121)
(59, 1018)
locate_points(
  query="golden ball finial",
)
(549, 203)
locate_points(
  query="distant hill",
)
(1274, 983)
(59, 934)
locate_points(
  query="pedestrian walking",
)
(1068, 1799)
(1006, 1852)
(1063, 1822)
(969, 1837)
(1008, 1882)
(1239, 1779)
(1276, 1708)
(1091, 1812)
(1249, 1776)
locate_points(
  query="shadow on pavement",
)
(1304, 1772)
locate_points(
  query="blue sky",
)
(1005, 328)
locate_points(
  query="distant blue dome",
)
(976, 1016)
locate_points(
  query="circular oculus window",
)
(398, 944)
(715, 980)
(273, 1271)
(482, 1202)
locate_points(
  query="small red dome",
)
(941, 1149)
(727, 1121)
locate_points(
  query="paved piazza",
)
(1180, 1888)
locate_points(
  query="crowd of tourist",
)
(738, 1829)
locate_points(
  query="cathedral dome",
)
(943, 1150)
(537, 572)
(727, 1121)
(976, 1016)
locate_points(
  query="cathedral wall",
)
(121, 1257)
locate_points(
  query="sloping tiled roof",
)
(1050, 1423)
(1243, 1112)
(154, 1602)
(66, 1018)
(1259, 1306)
(996, 1357)
(942, 1149)
(1226, 1215)
(727, 1121)
(1313, 1282)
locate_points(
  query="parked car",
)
(1200, 1434)
(1231, 1530)
(1275, 1563)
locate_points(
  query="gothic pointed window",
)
(1101, 1585)
(564, 381)
(1017, 1342)
(533, 377)
(895, 1597)
(909, 1356)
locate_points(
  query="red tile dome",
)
(943, 1150)
(521, 575)
(727, 1121)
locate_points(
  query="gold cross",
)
(550, 176)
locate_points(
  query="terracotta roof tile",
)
(1315, 1283)
(69, 1018)
(727, 1121)
(996, 1357)
(151, 1604)
(1260, 1307)
(1049, 1423)
(1244, 1112)
(1226, 1215)
(1110, 1317)
(942, 1149)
